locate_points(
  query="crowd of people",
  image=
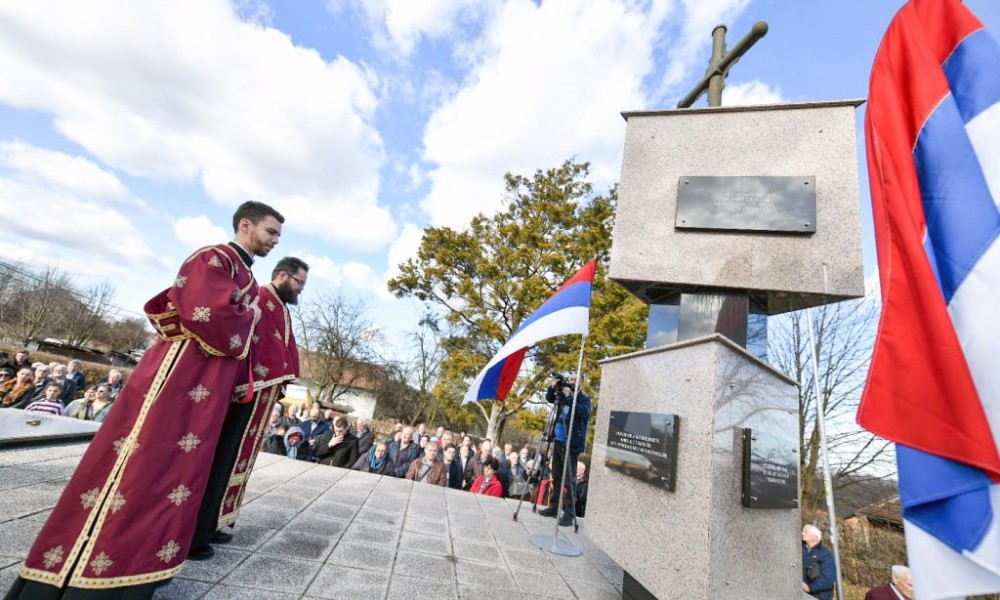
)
(412, 452)
(56, 388)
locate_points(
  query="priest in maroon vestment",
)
(275, 363)
(126, 518)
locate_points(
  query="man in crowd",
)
(18, 392)
(276, 362)
(561, 395)
(365, 437)
(899, 588)
(22, 360)
(429, 469)
(128, 514)
(312, 428)
(507, 449)
(475, 467)
(403, 452)
(116, 381)
(818, 572)
(446, 438)
(73, 372)
(453, 467)
(337, 447)
(68, 386)
(41, 380)
(49, 402)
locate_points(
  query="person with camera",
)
(818, 572)
(560, 395)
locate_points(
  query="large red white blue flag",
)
(933, 137)
(566, 311)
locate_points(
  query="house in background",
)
(351, 391)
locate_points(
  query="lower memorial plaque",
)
(644, 446)
(770, 471)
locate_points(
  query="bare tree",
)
(844, 334)
(84, 313)
(124, 335)
(340, 346)
(408, 392)
(31, 304)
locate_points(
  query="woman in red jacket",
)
(488, 484)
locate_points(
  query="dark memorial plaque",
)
(644, 446)
(777, 204)
(770, 471)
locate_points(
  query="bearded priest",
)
(275, 359)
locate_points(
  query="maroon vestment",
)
(276, 362)
(127, 515)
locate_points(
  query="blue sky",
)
(128, 133)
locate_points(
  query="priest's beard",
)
(286, 293)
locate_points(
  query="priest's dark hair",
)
(254, 211)
(290, 265)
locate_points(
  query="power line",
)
(23, 276)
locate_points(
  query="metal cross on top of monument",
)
(720, 63)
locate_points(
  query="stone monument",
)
(726, 215)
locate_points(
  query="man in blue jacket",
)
(818, 571)
(560, 395)
(311, 430)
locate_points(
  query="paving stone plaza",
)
(310, 531)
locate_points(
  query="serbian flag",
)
(566, 311)
(933, 137)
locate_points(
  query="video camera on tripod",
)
(559, 387)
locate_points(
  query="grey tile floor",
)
(309, 531)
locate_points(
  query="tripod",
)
(544, 442)
(547, 440)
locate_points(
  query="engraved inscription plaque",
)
(644, 446)
(776, 204)
(770, 471)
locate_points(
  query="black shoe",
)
(566, 521)
(548, 511)
(222, 537)
(201, 553)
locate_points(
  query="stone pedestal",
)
(698, 542)
(653, 257)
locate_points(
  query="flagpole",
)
(827, 478)
(554, 544)
(569, 435)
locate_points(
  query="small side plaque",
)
(644, 446)
(770, 471)
(776, 204)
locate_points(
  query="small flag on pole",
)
(566, 311)
(933, 141)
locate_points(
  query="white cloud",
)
(750, 92)
(321, 268)
(199, 231)
(188, 91)
(404, 247)
(325, 272)
(690, 51)
(400, 25)
(56, 170)
(73, 204)
(361, 277)
(548, 84)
